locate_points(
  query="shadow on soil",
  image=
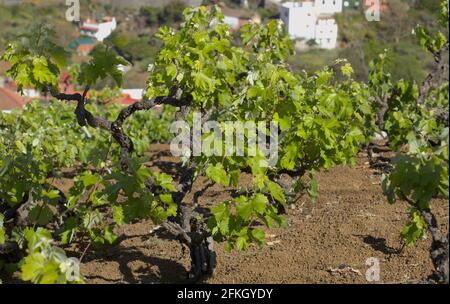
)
(379, 244)
(156, 270)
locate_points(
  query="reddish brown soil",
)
(350, 223)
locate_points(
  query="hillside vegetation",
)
(360, 41)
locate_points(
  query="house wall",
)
(135, 94)
(99, 31)
(105, 29)
(326, 33)
(300, 18)
(305, 20)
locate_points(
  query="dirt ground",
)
(328, 242)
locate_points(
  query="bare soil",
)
(328, 242)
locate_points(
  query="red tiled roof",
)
(85, 49)
(382, 6)
(91, 21)
(65, 76)
(89, 28)
(126, 100)
(68, 88)
(10, 100)
(65, 84)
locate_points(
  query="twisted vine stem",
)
(184, 227)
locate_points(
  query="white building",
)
(99, 31)
(326, 32)
(328, 6)
(134, 93)
(312, 20)
(300, 19)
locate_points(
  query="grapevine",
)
(324, 120)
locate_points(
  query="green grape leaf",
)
(218, 174)
(277, 192)
(2, 230)
(42, 215)
(241, 242)
(118, 215)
